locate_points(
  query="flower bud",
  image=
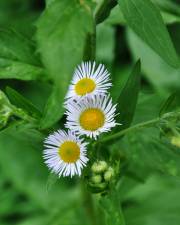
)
(109, 174)
(176, 141)
(99, 167)
(96, 179)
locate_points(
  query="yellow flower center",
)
(92, 119)
(84, 86)
(69, 152)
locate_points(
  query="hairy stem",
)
(148, 123)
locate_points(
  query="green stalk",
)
(90, 47)
(149, 123)
(104, 10)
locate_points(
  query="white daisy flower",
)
(91, 116)
(65, 153)
(89, 79)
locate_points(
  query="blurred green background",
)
(150, 193)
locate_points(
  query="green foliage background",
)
(40, 45)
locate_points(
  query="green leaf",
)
(16, 47)
(168, 5)
(116, 17)
(164, 78)
(155, 202)
(17, 57)
(167, 104)
(61, 37)
(128, 98)
(170, 18)
(21, 102)
(10, 69)
(112, 209)
(119, 79)
(147, 153)
(146, 21)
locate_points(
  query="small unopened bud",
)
(96, 179)
(109, 174)
(99, 167)
(176, 141)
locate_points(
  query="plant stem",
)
(88, 204)
(135, 127)
(104, 10)
(141, 125)
(90, 47)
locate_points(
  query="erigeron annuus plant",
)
(89, 112)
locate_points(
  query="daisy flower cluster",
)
(89, 112)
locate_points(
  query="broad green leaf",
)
(148, 153)
(61, 37)
(116, 17)
(168, 5)
(17, 57)
(144, 18)
(155, 202)
(14, 46)
(22, 102)
(12, 69)
(128, 98)
(112, 209)
(164, 78)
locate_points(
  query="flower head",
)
(65, 153)
(91, 116)
(88, 80)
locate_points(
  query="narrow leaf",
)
(167, 104)
(145, 20)
(128, 98)
(21, 102)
